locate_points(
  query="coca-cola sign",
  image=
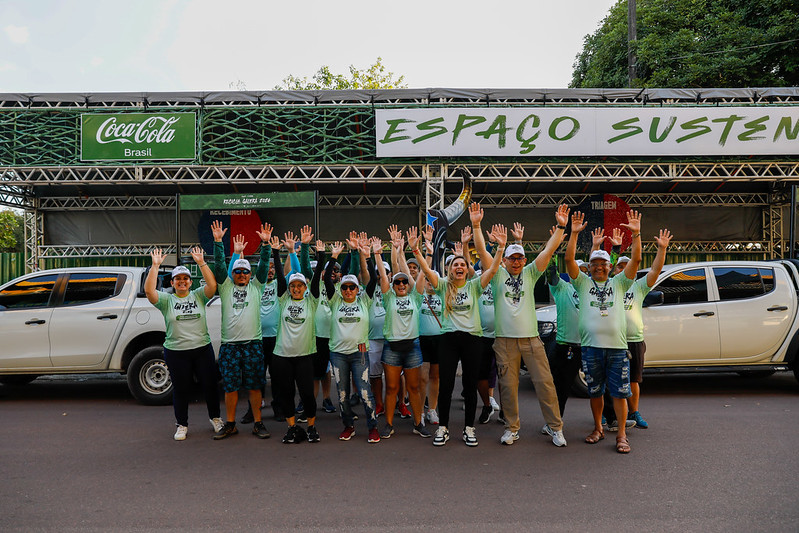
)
(138, 136)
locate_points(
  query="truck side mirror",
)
(653, 298)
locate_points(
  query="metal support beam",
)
(34, 229)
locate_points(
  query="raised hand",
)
(517, 232)
(320, 246)
(475, 213)
(377, 245)
(552, 231)
(265, 233)
(289, 240)
(466, 235)
(597, 237)
(578, 222)
(217, 230)
(413, 238)
(306, 234)
(394, 232)
(274, 242)
(157, 255)
(633, 222)
(562, 215)
(500, 234)
(428, 232)
(363, 246)
(238, 244)
(617, 237)
(663, 239)
(352, 240)
(458, 247)
(197, 254)
(336, 248)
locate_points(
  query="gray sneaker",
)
(614, 426)
(387, 432)
(422, 431)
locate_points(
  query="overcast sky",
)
(200, 45)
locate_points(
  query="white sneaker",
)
(469, 437)
(442, 436)
(217, 424)
(509, 437)
(432, 416)
(558, 439)
(180, 433)
(494, 404)
(546, 430)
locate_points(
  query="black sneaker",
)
(247, 418)
(228, 430)
(387, 432)
(260, 431)
(301, 435)
(485, 414)
(422, 431)
(291, 435)
(313, 435)
(327, 405)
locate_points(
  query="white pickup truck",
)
(718, 316)
(88, 320)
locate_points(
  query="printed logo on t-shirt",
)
(348, 313)
(239, 298)
(269, 295)
(460, 302)
(488, 297)
(295, 314)
(185, 310)
(404, 307)
(629, 299)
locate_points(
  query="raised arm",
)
(151, 282)
(466, 238)
(662, 241)
(335, 250)
(501, 237)
(578, 224)
(413, 243)
(210, 281)
(306, 235)
(545, 255)
(597, 238)
(280, 276)
(476, 217)
(377, 248)
(634, 225)
(317, 272)
(220, 268)
(262, 270)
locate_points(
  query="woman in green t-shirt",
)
(187, 347)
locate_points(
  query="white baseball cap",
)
(180, 270)
(297, 276)
(581, 263)
(349, 278)
(514, 249)
(599, 254)
(399, 275)
(623, 259)
(241, 263)
(386, 266)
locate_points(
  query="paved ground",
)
(721, 455)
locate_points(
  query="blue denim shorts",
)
(603, 366)
(242, 366)
(409, 359)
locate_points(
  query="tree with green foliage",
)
(374, 77)
(695, 43)
(12, 237)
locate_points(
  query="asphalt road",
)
(720, 455)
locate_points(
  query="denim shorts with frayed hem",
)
(606, 367)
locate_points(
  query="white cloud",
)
(6, 66)
(17, 34)
(96, 61)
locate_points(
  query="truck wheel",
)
(580, 387)
(18, 379)
(148, 377)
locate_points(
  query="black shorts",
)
(487, 360)
(430, 345)
(321, 358)
(637, 351)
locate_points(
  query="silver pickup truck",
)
(88, 320)
(717, 316)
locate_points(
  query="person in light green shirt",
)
(187, 347)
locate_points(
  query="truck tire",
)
(148, 377)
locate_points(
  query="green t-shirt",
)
(633, 300)
(465, 315)
(269, 309)
(514, 303)
(567, 302)
(377, 315)
(429, 308)
(323, 317)
(596, 330)
(487, 318)
(402, 316)
(241, 310)
(349, 325)
(295, 328)
(186, 328)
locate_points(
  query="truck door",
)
(86, 323)
(686, 327)
(25, 320)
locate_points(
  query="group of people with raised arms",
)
(366, 318)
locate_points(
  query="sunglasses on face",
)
(401, 282)
(241, 271)
(348, 287)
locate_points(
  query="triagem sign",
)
(138, 136)
(569, 131)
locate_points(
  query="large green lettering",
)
(553, 128)
(752, 127)
(430, 125)
(465, 121)
(498, 127)
(394, 127)
(625, 125)
(694, 125)
(527, 144)
(785, 125)
(728, 122)
(653, 129)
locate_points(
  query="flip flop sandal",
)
(595, 437)
(622, 446)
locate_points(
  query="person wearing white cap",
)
(187, 347)
(516, 328)
(241, 360)
(621, 264)
(461, 329)
(603, 326)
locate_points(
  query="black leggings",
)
(183, 366)
(288, 371)
(466, 348)
(565, 365)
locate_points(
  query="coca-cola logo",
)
(154, 129)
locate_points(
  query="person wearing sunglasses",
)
(462, 329)
(187, 347)
(402, 354)
(241, 360)
(349, 342)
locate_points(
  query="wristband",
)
(636, 235)
(204, 264)
(561, 227)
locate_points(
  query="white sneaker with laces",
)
(469, 437)
(558, 439)
(442, 436)
(432, 416)
(217, 424)
(494, 404)
(180, 433)
(509, 437)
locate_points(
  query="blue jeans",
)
(356, 366)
